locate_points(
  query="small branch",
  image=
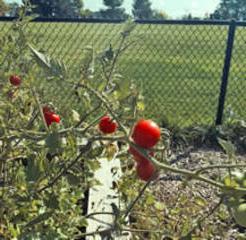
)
(86, 115)
(141, 230)
(95, 121)
(40, 108)
(83, 150)
(98, 232)
(203, 169)
(189, 174)
(98, 213)
(199, 221)
(132, 204)
(105, 103)
(112, 139)
(17, 158)
(109, 77)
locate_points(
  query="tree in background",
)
(142, 9)
(159, 15)
(187, 16)
(68, 8)
(230, 9)
(13, 9)
(58, 8)
(114, 10)
(3, 8)
(44, 8)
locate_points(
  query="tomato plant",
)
(146, 133)
(45, 168)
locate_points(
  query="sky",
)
(174, 8)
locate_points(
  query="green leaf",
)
(230, 182)
(96, 151)
(228, 147)
(123, 86)
(160, 206)
(200, 201)
(53, 142)
(150, 200)
(34, 169)
(53, 66)
(140, 106)
(75, 115)
(93, 165)
(41, 59)
(43, 217)
(73, 179)
(52, 201)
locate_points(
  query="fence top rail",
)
(117, 21)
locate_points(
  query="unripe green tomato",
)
(239, 214)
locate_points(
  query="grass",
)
(179, 67)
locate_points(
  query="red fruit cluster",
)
(15, 80)
(146, 134)
(107, 125)
(50, 116)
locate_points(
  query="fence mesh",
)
(236, 98)
(177, 66)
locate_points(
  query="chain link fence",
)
(177, 64)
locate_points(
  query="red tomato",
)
(50, 116)
(106, 125)
(138, 156)
(55, 118)
(146, 170)
(15, 80)
(146, 133)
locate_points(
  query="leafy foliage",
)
(114, 10)
(142, 9)
(58, 8)
(230, 9)
(3, 8)
(46, 170)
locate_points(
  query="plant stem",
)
(86, 148)
(40, 108)
(109, 77)
(107, 106)
(98, 213)
(199, 171)
(199, 221)
(132, 204)
(189, 174)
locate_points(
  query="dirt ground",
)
(185, 204)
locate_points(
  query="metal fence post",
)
(226, 71)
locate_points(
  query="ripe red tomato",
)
(146, 170)
(107, 125)
(146, 133)
(15, 80)
(137, 155)
(50, 116)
